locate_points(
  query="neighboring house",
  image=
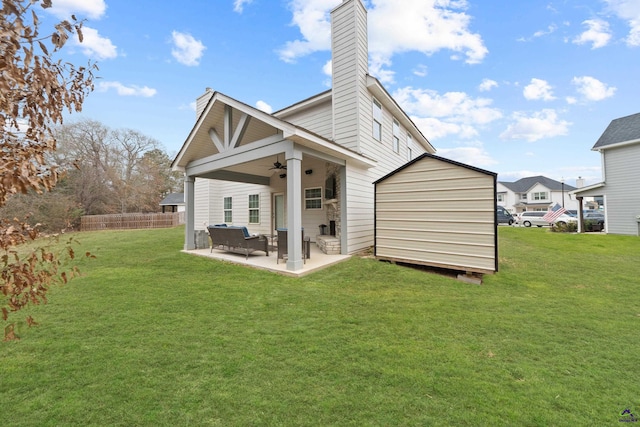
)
(310, 164)
(619, 147)
(535, 193)
(174, 202)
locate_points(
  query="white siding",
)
(350, 68)
(316, 119)
(439, 214)
(210, 193)
(622, 194)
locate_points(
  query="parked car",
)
(504, 216)
(530, 218)
(597, 217)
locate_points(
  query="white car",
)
(530, 218)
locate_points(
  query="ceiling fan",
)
(278, 166)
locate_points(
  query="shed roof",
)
(433, 156)
(620, 130)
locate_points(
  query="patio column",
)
(294, 209)
(189, 215)
(580, 216)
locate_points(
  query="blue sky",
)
(520, 88)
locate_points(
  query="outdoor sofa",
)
(236, 239)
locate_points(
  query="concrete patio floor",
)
(318, 260)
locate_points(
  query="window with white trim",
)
(409, 147)
(377, 120)
(396, 136)
(539, 196)
(228, 209)
(254, 209)
(313, 198)
(500, 197)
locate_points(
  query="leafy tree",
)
(35, 90)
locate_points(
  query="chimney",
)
(202, 101)
(350, 62)
(580, 182)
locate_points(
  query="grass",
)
(150, 336)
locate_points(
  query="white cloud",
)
(312, 19)
(327, 68)
(550, 29)
(593, 89)
(450, 113)
(628, 10)
(187, 50)
(539, 125)
(426, 26)
(487, 85)
(238, 5)
(538, 89)
(421, 70)
(93, 9)
(598, 33)
(475, 156)
(95, 46)
(263, 106)
(123, 90)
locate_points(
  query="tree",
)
(114, 171)
(35, 91)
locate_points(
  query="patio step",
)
(330, 245)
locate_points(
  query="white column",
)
(189, 215)
(294, 210)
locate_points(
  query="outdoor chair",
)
(283, 248)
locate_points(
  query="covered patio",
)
(317, 261)
(236, 143)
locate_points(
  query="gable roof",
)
(620, 130)
(173, 199)
(442, 159)
(525, 184)
(263, 125)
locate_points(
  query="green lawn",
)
(150, 336)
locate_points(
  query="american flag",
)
(554, 213)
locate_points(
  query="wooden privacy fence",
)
(131, 221)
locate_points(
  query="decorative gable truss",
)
(230, 140)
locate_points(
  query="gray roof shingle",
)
(622, 129)
(525, 184)
(173, 199)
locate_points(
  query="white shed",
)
(440, 213)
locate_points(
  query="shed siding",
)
(437, 213)
(622, 195)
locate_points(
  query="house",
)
(535, 193)
(174, 202)
(619, 148)
(310, 164)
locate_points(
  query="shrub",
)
(565, 227)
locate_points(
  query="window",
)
(523, 196)
(377, 120)
(254, 209)
(313, 198)
(539, 196)
(409, 147)
(396, 136)
(228, 209)
(500, 197)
